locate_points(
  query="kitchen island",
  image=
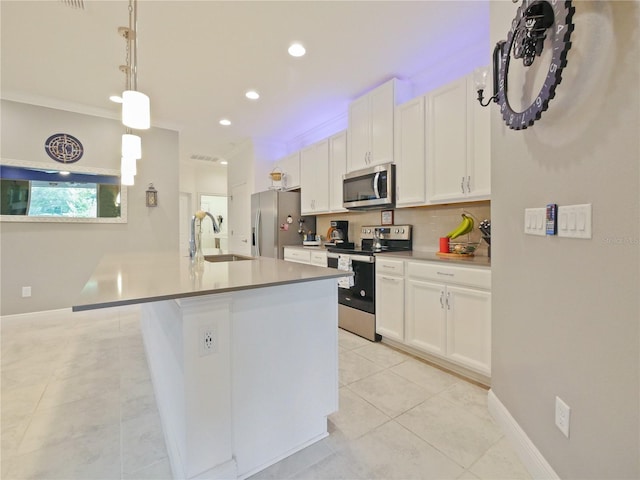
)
(243, 354)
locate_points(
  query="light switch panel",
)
(534, 221)
(574, 221)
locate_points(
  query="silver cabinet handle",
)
(448, 301)
(391, 279)
(462, 185)
(441, 301)
(469, 184)
(244, 241)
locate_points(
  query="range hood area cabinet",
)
(371, 125)
(457, 144)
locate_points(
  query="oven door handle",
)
(354, 258)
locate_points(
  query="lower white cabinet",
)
(441, 310)
(306, 255)
(298, 255)
(390, 299)
(319, 258)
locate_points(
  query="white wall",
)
(566, 312)
(56, 259)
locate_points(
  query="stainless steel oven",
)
(357, 297)
(357, 303)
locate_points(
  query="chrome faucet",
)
(192, 240)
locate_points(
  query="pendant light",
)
(131, 146)
(136, 107)
(135, 104)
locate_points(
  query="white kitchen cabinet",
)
(410, 153)
(457, 144)
(370, 137)
(448, 313)
(307, 256)
(297, 255)
(314, 173)
(290, 167)
(390, 298)
(319, 258)
(426, 316)
(337, 168)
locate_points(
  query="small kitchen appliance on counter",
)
(338, 234)
(356, 299)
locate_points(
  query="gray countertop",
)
(125, 279)
(473, 261)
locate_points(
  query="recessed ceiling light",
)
(296, 50)
(223, 162)
(252, 95)
(225, 122)
(115, 98)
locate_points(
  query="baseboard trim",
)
(530, 456)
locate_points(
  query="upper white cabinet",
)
(457, 144)
(314, 173)
(371, 126)
(337, 168)
(290, 167)
(410, 153)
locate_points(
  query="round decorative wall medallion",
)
(64, 148)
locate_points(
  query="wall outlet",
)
(563, 416)
(26, 292)
(207, 340)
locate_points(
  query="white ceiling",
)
(197, 59)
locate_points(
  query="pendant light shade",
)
(131, 146)
(136, 110)
(128, 166)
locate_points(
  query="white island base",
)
(262, 392)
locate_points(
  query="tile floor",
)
(77, 403)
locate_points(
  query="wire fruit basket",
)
(463, 248)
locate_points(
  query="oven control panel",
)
(387, 232)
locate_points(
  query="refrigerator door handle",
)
(257, 233)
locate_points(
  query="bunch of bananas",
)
(466, 225)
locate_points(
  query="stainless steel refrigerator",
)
(275, 222)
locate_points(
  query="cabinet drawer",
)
(319, 259)
(389, 267)
(295, 255)
(474, 277)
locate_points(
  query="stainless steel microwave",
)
(370, 188)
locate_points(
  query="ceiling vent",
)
(205, 158)
(78, 4)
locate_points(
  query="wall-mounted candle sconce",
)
(152, 196)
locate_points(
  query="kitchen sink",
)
(226, 258)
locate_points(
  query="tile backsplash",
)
(429, 223)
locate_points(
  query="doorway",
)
(216, 205)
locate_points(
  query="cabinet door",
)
(479, 152)
(469, 327)
(446, 138)
(425, 316)
(319, 259)
(359, 134)
(337, 168)
(290, 166)
(410, 155)
(382, 108)
(314, 185)
(390, 306)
